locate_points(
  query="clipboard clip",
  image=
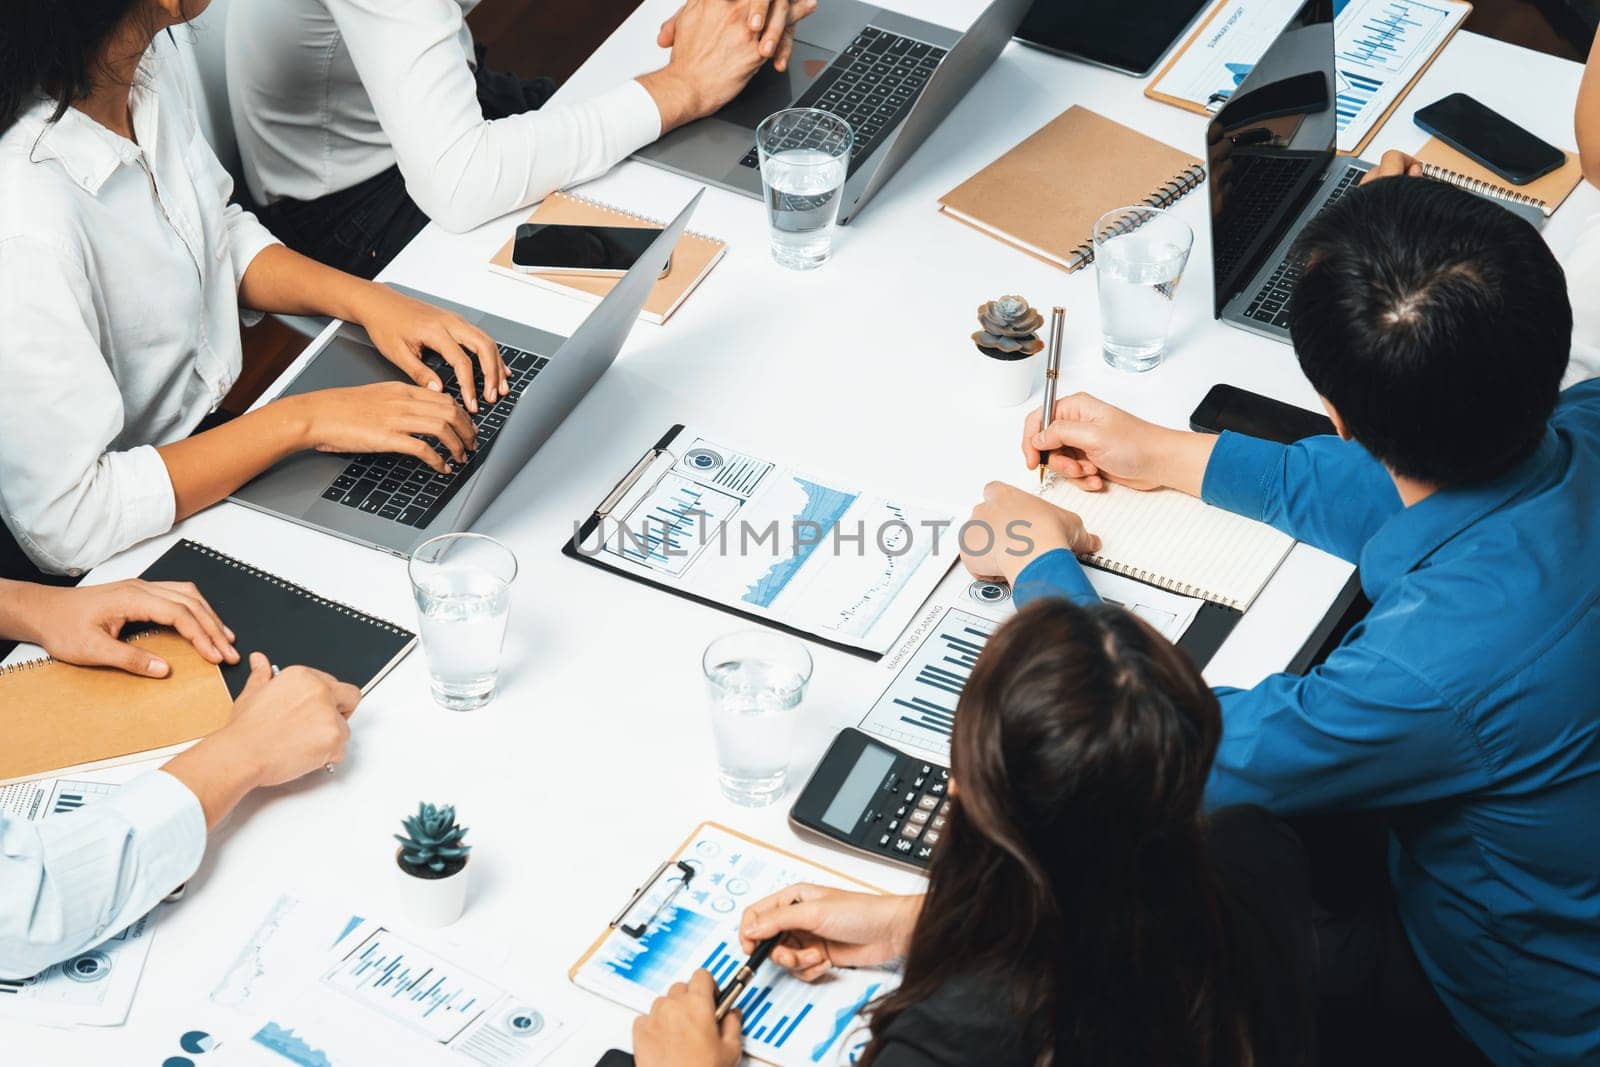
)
(629, 480)
(683, 874)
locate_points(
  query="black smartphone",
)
(603, 250)
(1228, 407)
(1489, 138)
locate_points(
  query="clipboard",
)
(663, 449)
(633, 919)
(1199, 108)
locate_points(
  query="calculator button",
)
(945, 774)
(937, 788)
(894, 824)
(903, 845)
(944, 809)
(926, 769)
(919, 817)
(910, 797)
(931, 837)
(919, 783)
(928, 803)
(937, 823)
(924, 853)
(883, 842)
(900, 812)
(911, 830)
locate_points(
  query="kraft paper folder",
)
(692, 259)
(58, 715)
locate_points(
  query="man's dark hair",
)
(1437, 324)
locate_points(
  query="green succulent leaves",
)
(432, 840)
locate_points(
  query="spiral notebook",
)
(692, 259)
(1044, 195)
(1173, 541)
(287, 622)
(55, 715)
(1444, 163)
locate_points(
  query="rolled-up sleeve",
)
(69, 882)
(65, 495)
(461, 168)
(1323, 491)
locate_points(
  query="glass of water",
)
(1139, 256)
(755, 679)
(462, 582)
(805, 156)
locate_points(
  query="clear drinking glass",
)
(462, 582)
(1139, 256)
(805, 156)
(756, 679)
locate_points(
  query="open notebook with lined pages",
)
(1175, 542)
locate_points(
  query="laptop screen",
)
(1269, 145)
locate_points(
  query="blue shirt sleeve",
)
(1056, 573)
(1358, 732)
(1323, 491)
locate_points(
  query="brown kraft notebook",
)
(54, 715)
(1444, 163)
(1044, 195)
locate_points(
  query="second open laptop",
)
(892, 77)
(395, 502)
(1271, 153)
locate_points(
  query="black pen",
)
(742, 977)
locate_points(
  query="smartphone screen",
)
(1489, 138)
(605, 249)
(1227, 407)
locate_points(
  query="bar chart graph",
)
(412, 986)
(667, 529)
(1382, 44)
(919, 706)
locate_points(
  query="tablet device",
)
(1125, 35)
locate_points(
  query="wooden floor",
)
(538, 37)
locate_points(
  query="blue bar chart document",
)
(678, 927)
(926, 672)
(802, 549)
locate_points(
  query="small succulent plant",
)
(432, 842)
(1010, 328)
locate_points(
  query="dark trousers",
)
(1375, 1005)
(360, 229)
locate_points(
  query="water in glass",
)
(463, 614)
(753, 704)
(802, 189)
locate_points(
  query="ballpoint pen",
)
(741, 978)
(1052, 368)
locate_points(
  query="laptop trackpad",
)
(772, 90)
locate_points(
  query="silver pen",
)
(1052, 369)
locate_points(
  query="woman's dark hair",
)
(53, 47)
(1073, 872)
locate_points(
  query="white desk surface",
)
(596, 757)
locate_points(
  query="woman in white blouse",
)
(123, 269)
(360, 120)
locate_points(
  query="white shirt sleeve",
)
(69, 882)
(69, 500)
(460, 168)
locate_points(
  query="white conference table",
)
(596, 758)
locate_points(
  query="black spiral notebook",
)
(289, 623)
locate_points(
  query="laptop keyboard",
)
(871, 85)
(406, 490)
(1258, 187)
(1270, 305)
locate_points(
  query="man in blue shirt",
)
(1466, 706)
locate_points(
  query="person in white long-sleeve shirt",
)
(71, 881)
(123, 271)
(360, 120)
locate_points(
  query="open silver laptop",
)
(395, 502)
(1271, 153)
(893, 78)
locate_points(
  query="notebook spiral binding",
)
(1151, 578)
(1481, 187)
(45, 661)
(1169, 193)
(298, 590)
(601, 205)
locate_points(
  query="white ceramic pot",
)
(1005, 383)
(433, 901)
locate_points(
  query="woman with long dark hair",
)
(1082, 908)
(123, 270)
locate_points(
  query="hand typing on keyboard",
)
(403, 329)
(387, 417)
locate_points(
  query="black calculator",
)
(875, 799)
